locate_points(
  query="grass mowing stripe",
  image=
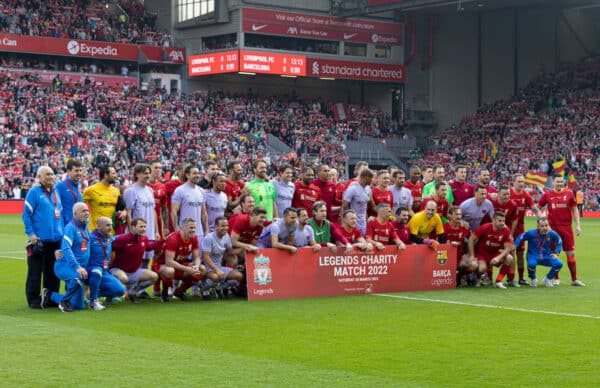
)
(62, 353)
(488, 306)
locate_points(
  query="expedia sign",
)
(91, 49)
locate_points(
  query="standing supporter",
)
(440, 199)
(216, 200)
(415, 185)
(380, 231)
(457, 235)
(44, 227)
(490, 245)
(381, 192)
(170, 187)
(524, 202)
(210, 169)
(306, 193)
(304, 235)
(327, 190)
(103, 198)
(358, 198)
(139, 203)
(400, 224)
(234, 186)
(484, 179)
(402, 195)
(476, 209)
(261, 189)
(325, 231)
(543, 248)
(426, 227)
(126, 265)
(284, 189)
(71, 268)
(160, 196)
(69, 189)
(175, 260)
(460, 188)
(280, 234)
(562, 210)
(101, 282)
(215, 247)
(439, 174)
(189, 201)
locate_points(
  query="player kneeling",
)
(215, 247)
(491, 244)
(174, 262)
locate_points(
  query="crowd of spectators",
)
(556, 117)
(127, 21)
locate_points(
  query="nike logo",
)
(258, 28)
(348, 36)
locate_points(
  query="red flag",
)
(340, 111)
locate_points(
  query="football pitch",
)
(486, 336)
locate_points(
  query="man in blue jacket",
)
(102, 282)
(543, 247)
(42, 217)
(71, 267)
(69, 189)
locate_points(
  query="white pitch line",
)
(489, 306)
(11, 257)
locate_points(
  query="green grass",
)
(362, 340)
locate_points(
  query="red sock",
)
(521, 272)
(572, 267)
(511, 274)
(503, 271)
(157, 285)
(167, 282)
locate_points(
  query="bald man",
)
(71, 267)
(42, 218)
(102, 282)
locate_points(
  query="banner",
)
(326, 68)
(68, 47)
(277, 274)
(303, 25)
(47, 76)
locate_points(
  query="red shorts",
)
(566, 234)
(180, 275)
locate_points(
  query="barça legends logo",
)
(262, 270)
(442, 257)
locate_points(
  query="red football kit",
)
(248, 234)
(490, 242)
(170, 187)
(381, 196)
(560, 217)
(129, 250)
(182, 250)
(509, 208)
(461, 191)
(523, 201)
(305, 196)
(383, 233)
(442, 205)
(416, 190)
(160, 200)
(233, 189)
(351, 235)
(457, 234)
(327, 191)
(403, 232)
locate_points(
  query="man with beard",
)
(327, 189)
(262, 190)
(358, 198)
(460, 188)
(189, 201)
(103, 197)
(280, 234)
(216, 200)
(210, 169)
(284, 189)
(401, 194)
(306, 193)
(234, 186)
(304, 235)
(415, 185)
